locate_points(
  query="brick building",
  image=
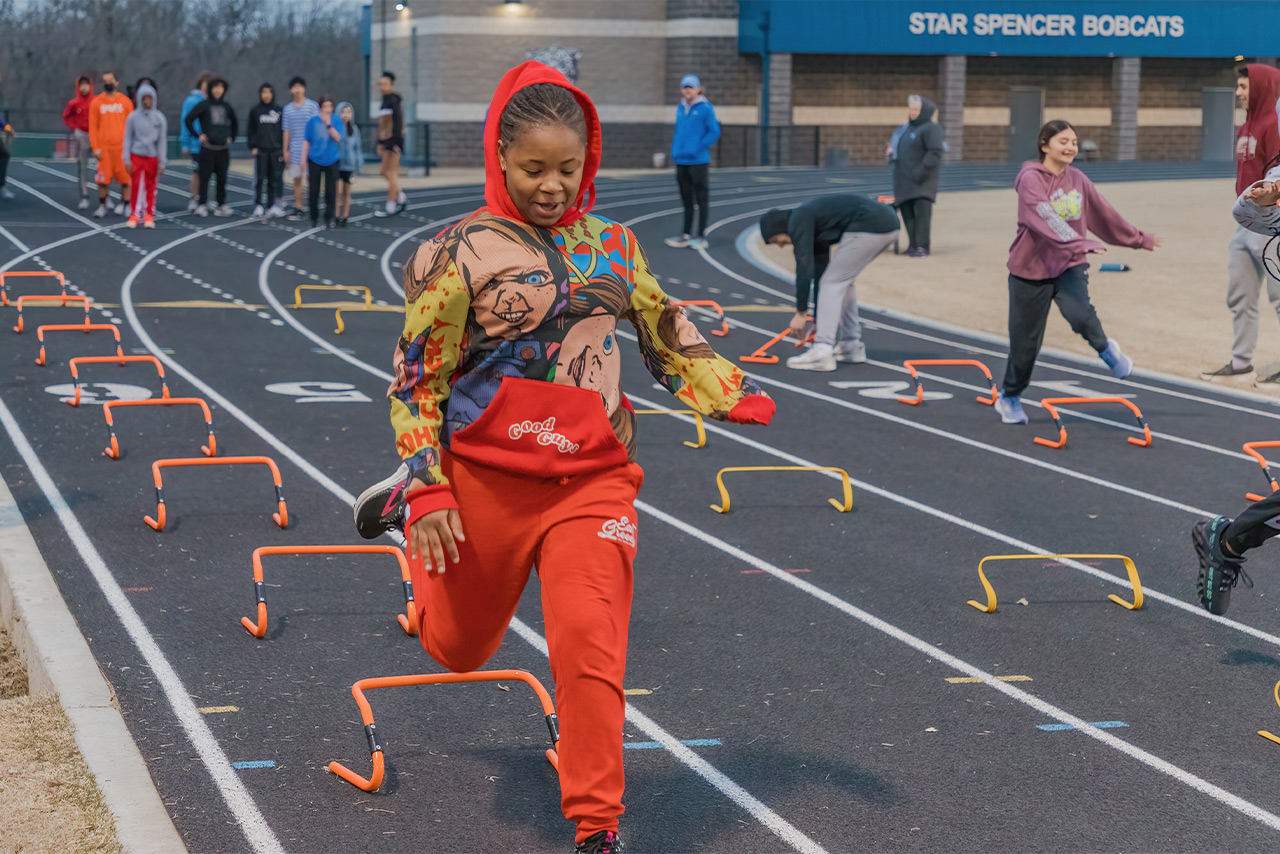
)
(1153, 83)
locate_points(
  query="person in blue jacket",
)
(696, 131)
(189, 141)
(322, 151)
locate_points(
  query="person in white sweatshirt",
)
(146, 138)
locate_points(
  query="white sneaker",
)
(698, 243)
(201, 210)
(853, 352)
(223, 210)
(677, 242)
(83, 206)
(258, 210)
(101, 212)
(276, 211)
(6, 193)
(120, 209)
(192, 205)
(820, 357)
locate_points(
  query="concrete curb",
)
(59, 662)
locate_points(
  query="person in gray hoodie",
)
(146, 138)
(352, 159)
(917, 158)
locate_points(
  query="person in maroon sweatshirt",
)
(1057, 204)
(1257, 146)
(75, 115)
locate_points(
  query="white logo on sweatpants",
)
(545, 431)
(620, 531)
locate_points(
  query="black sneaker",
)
(1218, 572)
(1270, 383)
(380, 508)
(1229, 374)
(604, 842)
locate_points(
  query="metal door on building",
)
(1217, 124)
(1026, 115)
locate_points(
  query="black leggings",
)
(213, 162)
(269, 173)
(4, 163)
(917, 216)
(1029, 302)
(693, 181)
(1251, 529)
(330, 173)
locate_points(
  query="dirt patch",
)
(48, 798)
(1169, 311)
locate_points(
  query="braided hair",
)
(541, 105)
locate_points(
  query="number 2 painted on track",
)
(320, 392)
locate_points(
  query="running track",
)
(812, 649)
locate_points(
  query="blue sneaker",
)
(1120, 364)
(1010, 409)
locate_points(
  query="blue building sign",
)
(1174, 28)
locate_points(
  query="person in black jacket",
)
(218, 129)
(917, 159)
(266, 143)
(834, 238)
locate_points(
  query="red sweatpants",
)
(144, 175)
(580, 532)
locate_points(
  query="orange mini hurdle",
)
(61, 299)
(761, 355)
(4, 290)
(86, 328)
(281, 517)
(910, 365)
(408, 620)
(1049, 405)
(1250, 449)
(371, 730)
(113, 451)
(708, 303)
(93, 360)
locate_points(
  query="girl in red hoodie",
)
(1048, 261)
(75, 115)
(518, 444)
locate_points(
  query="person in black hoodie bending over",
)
(916, 163)
(834, 238)
(265, 136)
(218, 129)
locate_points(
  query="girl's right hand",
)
(434, 536)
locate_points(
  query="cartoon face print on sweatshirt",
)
(1067, 205)
(515, 276)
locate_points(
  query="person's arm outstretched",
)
(427, 354)
(682, 361)
(1106, 222)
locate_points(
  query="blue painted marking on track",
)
(257, 763)
(656, 745)
(1098, 724)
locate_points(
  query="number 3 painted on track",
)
(320, 392)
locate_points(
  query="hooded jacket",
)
(107, 115)
(75, 115)
(351, 146)
(146, 132)
(918, 157)
(697, 129)
(1258, 141)
(510, 355)
(1054, 212)
(188, 140)
(264, 130)
(217, 120)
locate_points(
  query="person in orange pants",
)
(108, 112)
(510, 420)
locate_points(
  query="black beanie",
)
(772, 224)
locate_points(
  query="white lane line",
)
(976, 528)
(774, 822)
(9, 235)
(1184, 777)
(233, 792)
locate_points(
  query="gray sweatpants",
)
(1247, 275)
(83, 153)
(837, 319)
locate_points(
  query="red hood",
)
(496, 198)
(1264, 86)
(86, 79)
